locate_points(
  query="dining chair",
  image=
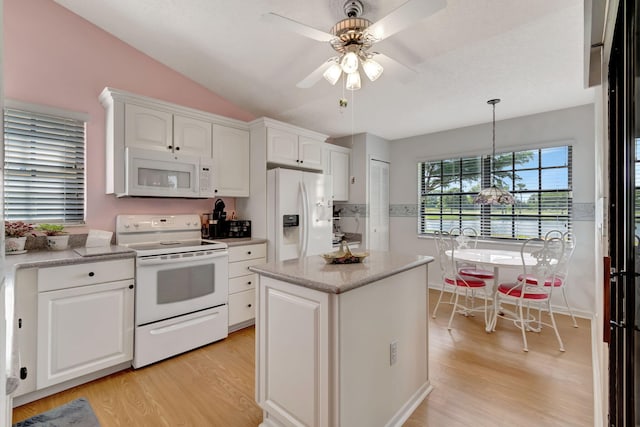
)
(562, 272)
(540, 262)
(461, 285)
(467, 238)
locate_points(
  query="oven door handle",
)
(166, 259)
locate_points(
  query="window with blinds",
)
(540, 180)
(44, 167)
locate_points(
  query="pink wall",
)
(54, 57)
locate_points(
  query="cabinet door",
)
(310, 153)
(148, 128)
(242, 306)
(231, 161)
(339, 170)
(191, 137)
(83, 330)
(282, 147)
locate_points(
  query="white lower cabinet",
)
(242, 283)
(87, 327)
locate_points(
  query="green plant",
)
(51, 229)
(17, 229)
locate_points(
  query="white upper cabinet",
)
(191, 137)
(159, 130)
(148, 128)
(338, 160)
(231, 161)
(291, 149)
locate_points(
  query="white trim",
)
(500, 150)
(599, 406)
(46, 109)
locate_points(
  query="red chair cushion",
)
(468, 282)
(476, 272)
(511, 290)
(533, 281)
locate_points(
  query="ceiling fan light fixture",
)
(332, 74)
(349, 62)
(353, 81)
(372, 69)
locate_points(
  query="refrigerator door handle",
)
(305, 219)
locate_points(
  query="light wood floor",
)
(479, 379)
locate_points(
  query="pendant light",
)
(494, 195)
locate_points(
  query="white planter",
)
(14, 244)
(58, 243)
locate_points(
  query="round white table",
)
(495, 258)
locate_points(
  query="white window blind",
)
(540, 180)
(44, 167)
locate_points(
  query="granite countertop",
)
(239, 241)
(312, 272)
(48, 258)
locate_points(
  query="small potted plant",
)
(15, 236)
(57, 238)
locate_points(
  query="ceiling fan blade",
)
(394, 68)
(315, 75)
(296, 27)
(404, 16)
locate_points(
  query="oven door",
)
(176, 284)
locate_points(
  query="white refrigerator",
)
(299, 214)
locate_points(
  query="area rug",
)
(77, 413)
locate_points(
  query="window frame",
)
(484, 213)
(56, 113)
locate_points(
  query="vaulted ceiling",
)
(528, 53)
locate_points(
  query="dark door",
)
(624, 225)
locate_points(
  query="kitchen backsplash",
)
(40, 242)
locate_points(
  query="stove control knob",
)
(188, 223)
(136, 225)
(127, 226)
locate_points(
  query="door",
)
(282, 147)
(339, 171)
(319, 213)
(624, 214)
(191, 137)
(231, 161)
(83, 329)
(378, 236)
(310, 153)
(148, 128)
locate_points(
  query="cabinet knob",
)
(248, 252)
(301, 161)
(297, 161)
(170, 147)
(130, 286)
(249, 282)
(177, 148)
(91, 274)
(248, 305)
(215, 191)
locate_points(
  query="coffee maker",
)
(218, 224)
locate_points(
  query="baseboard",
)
(242, 325)
(407, 409)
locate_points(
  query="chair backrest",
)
(541, 259)
(569, 241)
(444, 244)
(465, 237)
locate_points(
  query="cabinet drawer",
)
(241, 268)
(69, 276)
(242, 306)
(242, 283)
(241, 253)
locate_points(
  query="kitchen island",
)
(342, 345)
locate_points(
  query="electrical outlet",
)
(353, 179)
(393, 353)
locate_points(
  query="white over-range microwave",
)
(151, 173)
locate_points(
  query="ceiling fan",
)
(352, 38)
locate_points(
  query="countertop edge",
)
(241, 241)
(77, 259)
(332, 289)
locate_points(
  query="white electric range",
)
(181, 285)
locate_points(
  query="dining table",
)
(495, 258)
